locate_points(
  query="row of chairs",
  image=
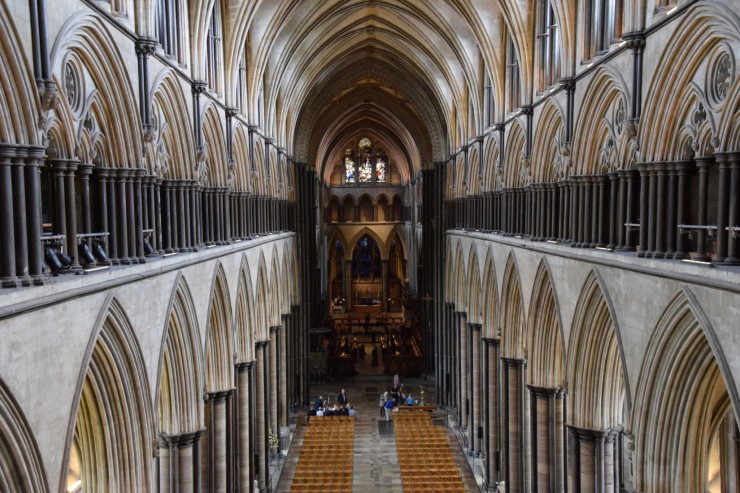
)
(327, 456)
(424, 455)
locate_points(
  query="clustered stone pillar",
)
(245, 399)
(464, 362)
(493, 447)
(593, 460)
(216, 464)
(179, 460)
(475, 397)
(513, 416)
(284, 412)
(546, 437)
(274, 390)
(261, 375)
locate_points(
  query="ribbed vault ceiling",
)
(403, 72)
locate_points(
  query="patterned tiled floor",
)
(376, 462)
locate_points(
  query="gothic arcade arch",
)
(219, 336)
(512, 319)
(601, 140)
(545, 341)
(708, 32)
(179, 393)
(21, 468)
(546, 146)
(596, 373)
(473, 291)
(87, 39)
(244, 315)
(514, 174)
(171, 154)
(110, 438)
(682, 400)
(19, 105)
(490, 292)
(262, 293)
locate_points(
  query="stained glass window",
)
(349, 166)
(380, 167)
(366, 170)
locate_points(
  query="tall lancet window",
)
(380, 162)
(213, 49)
(513, 85)
(349, 167)
(167, 28)
(603, 26)
(548, 39)
(366, 161)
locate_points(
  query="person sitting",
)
(409, 400)
(351, 411)
(320, 411)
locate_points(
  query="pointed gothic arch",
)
(261, 320)
(171, 154)
(215, 143)
(597, 375)
(109, 440)
(180, 379)
(514, 174)
(244, 315)
(19, 105)
(460, 299)
(473, 291)
(601, 142)
(545, 340)
(490, 294)
(21, 468)
(548, 139)
(219, 336)
(512, 319)
(682, 399)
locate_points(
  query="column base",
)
(8, 282)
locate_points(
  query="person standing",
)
(319, 402)
(388, 408)
(342, 399)
(381, 403)
(396, 381)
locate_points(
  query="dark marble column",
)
(683, 169)
(33, 214)
(601, 209)
(703, 164)
(634, 201)
(8, 277)
(659, 206)
(614, 211)
(645, 188)
(19, 215)
(723, 203)
(123, 217)
(733, 253)
(137, 175)
(70, 195)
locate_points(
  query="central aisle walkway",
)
(376, 467)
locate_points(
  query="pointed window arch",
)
(168, 27)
